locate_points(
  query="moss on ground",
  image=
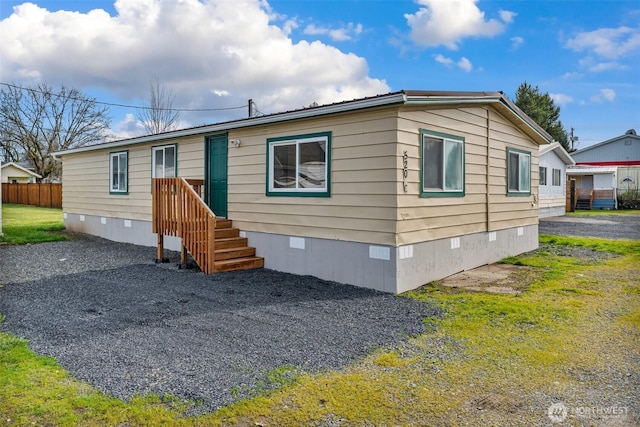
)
(572, 336)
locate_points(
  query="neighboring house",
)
(596, 186)
(607, 168)
(623, 150)
(13, 173)
(554, 160)
(387, 192)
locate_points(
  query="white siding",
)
(551, 161)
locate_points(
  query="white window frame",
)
(557, 173)
(446, 140)
(296, 189)
(123, 166)
(543, 175)
(163, 148)
(522, 156)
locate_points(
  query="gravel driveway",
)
(127, 326)
(605, 226)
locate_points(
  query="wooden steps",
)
(232, 252)
(213, 243)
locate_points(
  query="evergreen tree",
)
(541, 108)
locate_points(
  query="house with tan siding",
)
(16, 174)
(387, 192)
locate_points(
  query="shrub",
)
(629, 199)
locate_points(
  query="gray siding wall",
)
(627, 148)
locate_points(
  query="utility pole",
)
(251, 108)
(573, 139)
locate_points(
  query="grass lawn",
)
(494, 359)
(604, 212)
(23, 224)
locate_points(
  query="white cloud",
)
(463, 63)
(128, 127)
(507, 16)
(336, 34)
(443, 60)
(516, 42)
(609, 43)
(446, 23)
(194, 48)
(561, 99)
(608, 94)
(590, 64)
(289, 25)
(571, 75)
(604, 95)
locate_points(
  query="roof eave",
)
(528, 126)
(560, 152)
(17, 166)
(383, 100)
(524, 122)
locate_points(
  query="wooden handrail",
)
(591, 200)
(178, 210)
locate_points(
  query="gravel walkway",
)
(605, 226)
(127, 326)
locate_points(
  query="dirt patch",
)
(494, 278)
(495, 402)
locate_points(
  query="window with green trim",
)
(119, 172)
(164, 161)
(518, 172)
(299, 165)
(442, 171)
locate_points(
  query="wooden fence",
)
(45, 195)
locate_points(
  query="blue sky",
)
(287, 54)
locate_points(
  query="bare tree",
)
(37, 121)
(158, 115)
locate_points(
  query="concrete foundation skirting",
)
(118, 229)
(384, 268)
(551, 211)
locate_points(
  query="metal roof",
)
(403, 97)
(608, 141)
(590, 171)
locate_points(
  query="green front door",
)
(216, 174)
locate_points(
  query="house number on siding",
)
(405, 170)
